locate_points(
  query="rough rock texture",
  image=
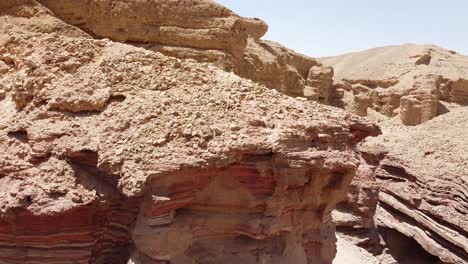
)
(413, 84)
(109, 153)
(424, 183)
(361, 103)
(408, 81)
(205, 31)
(354, 215)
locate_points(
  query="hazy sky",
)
(331, 27)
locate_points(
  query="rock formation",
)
(354, 215)
(112, 153)
(423, 177)
(413, 82)
(412, 192)
(207, 32)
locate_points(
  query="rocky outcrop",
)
(207, 32)
(111, 153)
(418, 107)
(360, 104)
(423, 187)
(411, 193)
(412, 82)
(319, 86)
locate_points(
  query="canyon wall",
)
(423, 187)
(401, 197)
(206, 32)
(110, 153)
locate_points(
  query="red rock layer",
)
(228, 170)
(264, 208)
(89, 234)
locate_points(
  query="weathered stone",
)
(391, 76)
(423, 184)
(360, 105)
(207, 32)
(106, 148)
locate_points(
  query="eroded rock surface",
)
(354, 215)
(424, 184)
(403, 193)
(207, 32)
(410, 81)
(109, 153)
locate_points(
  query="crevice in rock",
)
(87, 160)
(76, 114)
(40, 159)
(85, 157)
(113, 242)
(118, 98)
(336, 180)
(404, 249)
(439, 221)
(424, 59)
(442, 109)
(398, 172)
(20, 135)
(454, 249)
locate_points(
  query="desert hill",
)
(414, 82)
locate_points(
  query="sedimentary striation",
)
(112, 153)
(413, 82)
(423, 177)
(206, 32)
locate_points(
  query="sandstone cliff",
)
(207, 32)
(424, 184)
(414, 82)
(111, 153)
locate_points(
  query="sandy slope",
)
(348, 253)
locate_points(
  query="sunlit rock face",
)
(111, 153)
(206, 32)
(423, 187)
(412, 82)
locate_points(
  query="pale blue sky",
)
(331, 27)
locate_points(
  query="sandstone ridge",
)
(206, 32)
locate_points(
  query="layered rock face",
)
(423, 184)
(413, 82)
(207, 32)
(401, 198)
(111, 153)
